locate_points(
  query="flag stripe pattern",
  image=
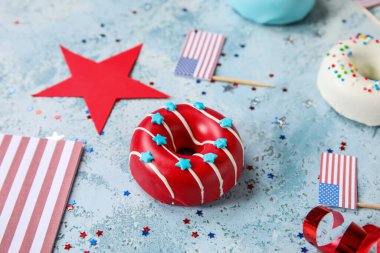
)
(338, 180)
(368, 3)
(200, 55)
(35, 180)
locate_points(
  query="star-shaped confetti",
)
(194, 234)
(330, 150)
(300, 235)
(282, 137)
(126, 193)
(211, 235)
(170, 106)
(186, 221)
(250, 187)
(209, 157)
(93, 242)
(249, 167)
(146, 228)
(220, 143)
(199, 213)
(270, 176)
(226, 122)
(184, 164)
(99, 233)
(199, 105)
(145, 233)
(82, 234)
(67, 246)
(146, 157)
(304, 250)
(157, 118)
(55, 136)
(101, 84)
(159, 139)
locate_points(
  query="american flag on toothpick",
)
(35, 180)
(338, 181)
(200, 55)
(368, 3)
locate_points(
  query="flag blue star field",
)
(338, 181)
(200, 55)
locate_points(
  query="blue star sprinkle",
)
(220, 143)
(145, 233)
(90, 150)
(199, 105)
(270, 176)
(184, 164)
(170, 106)
(72, 202)
(159, 139)
(211, 235)
(157, 118)
(199, 213)
(282, 137)
(209, 157)
(226, 122)
(127, 193)
(93, 242)
(304, 250)
(146, 157)
(330, 150)
(300, 235)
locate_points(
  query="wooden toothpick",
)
(369, 14)
(365, 205)
(239, 81)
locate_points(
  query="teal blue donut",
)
(273, 12)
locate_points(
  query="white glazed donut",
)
(349, 79)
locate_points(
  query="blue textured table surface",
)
(285, 160)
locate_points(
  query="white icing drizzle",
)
(158, 173)
(184, 122)
(232, 160)
(228, 128)
(169, 131)
(217, 172)
(195, 176)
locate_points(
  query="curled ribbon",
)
(355, 239)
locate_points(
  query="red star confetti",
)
(101, 84)
(194, 234)
(249, 167)
(342, 148)
(69, 207)
(82, 234)
(250, 186)
(99, 233)
(343, 143)
(186, 221)
(67, 246)
(147, 229)
(86, 251)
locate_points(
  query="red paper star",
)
(101, 84)
(82, 234)
(99, 233)
(194, 234)
(186, 221)
(147, 229)
(86, 251)
(67, 246)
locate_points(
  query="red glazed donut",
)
(186, 154)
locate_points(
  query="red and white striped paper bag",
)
(36, 176)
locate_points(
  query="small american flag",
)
(368, 3)
(338, 181)
(35, 180)
(200, 55)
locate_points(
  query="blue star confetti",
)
(199, 213)
(184, 164)
(199, 105)
(211, 235)
(93, 242)
(226, 122)
(159, 140)
(146, 157)
(304, 250)
(126, 193)
(157, 118)
(170, 106)
(220, 143)
(330, 150)
(145, 233)
(300, 235)
(209, 157)
(90, 150)
(270, 176)
(282, 137)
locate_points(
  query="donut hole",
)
(188, 151)
(367, 64)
